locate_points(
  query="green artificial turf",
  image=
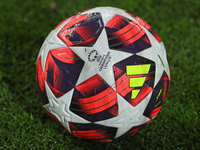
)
(24, 26)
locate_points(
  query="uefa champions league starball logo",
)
(103, 60)
(103, 74)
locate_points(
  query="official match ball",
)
(103, 74)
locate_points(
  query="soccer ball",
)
(103, 74)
